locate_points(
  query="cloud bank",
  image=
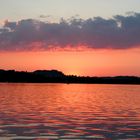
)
(119, 32)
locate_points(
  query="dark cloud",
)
(11, 25)
(119, 32)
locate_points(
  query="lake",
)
(69, 111)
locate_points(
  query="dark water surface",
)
(69, 111)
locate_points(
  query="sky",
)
(22, 9)
(80, 37)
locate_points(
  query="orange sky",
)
(26, 36)
(96, 62)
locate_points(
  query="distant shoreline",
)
(69, 83)
(55, 76)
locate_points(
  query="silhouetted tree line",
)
(55, 76)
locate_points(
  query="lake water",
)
(69, 111)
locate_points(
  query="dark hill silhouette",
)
(55, 76)
(49, 73)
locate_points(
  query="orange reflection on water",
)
(70, 110)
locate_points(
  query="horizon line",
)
(67, 74)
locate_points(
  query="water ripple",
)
(61, 111)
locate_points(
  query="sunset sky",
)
(80, 37)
